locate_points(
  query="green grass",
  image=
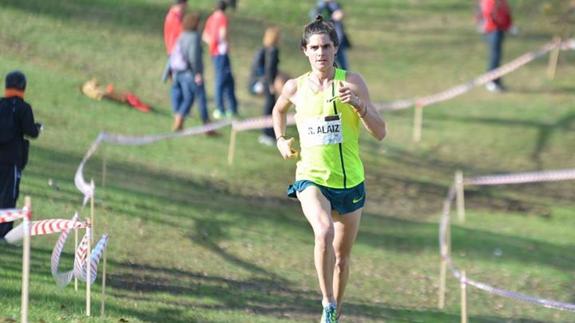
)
(195, 240)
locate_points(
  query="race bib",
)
(325, 130)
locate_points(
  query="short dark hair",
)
(221, 5)
(191, 21)
(16, 80)
(319, 26)
(181, 1)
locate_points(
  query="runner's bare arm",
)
(279, 116)
(354, 91)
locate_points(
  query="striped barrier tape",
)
(520, 178)
(547, 176)
(80, 255)
(515, 295)
(54, 226)
(79, 181)
(62, 278)
(88, 190)
(81, 263)
(259, 123)
(480, 80)
(266, 122)
(9, 215)
(42, 227)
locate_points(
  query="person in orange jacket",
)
(495, 21)
(173, 27)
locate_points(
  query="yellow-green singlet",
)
(334, 165)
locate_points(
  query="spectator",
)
(331, 10)
(331, 106)
(172, 30)
(232, 3)
(173, 24)
(495, 21)
(216, 36)
(16, 121)
(187, 71)
(266, 65)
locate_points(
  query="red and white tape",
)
(259, 123)
(80, 261)
(42, 227)
(9, 215)
(88, 190)
(531, 177)
(478, 81)
(62, 278)
(520, 178)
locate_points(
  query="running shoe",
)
(217, 114)
(232, 116)
(329, 314)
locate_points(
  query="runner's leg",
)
(317, 209)
(345, 227)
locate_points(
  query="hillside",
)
(193, 239)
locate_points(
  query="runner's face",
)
(320, 51)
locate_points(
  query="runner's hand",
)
(284, 146)
(346, 95)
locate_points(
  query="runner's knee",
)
(324, 234)
(341, 262)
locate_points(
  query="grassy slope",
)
(196, 240)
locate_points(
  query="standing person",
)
(332, 11)
(173, 24)
(187, 71)
(330, 104)
(232, 3)
(496, 20)
(16, 121)
(269, 53)
(216, 36)
(172, 30)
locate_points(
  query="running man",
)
(330, 105)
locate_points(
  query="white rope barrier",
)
(546, 176)
(88, 190)
(478, 81)
(266, 121)
(521, 178)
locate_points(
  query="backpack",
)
(257, 71)
(8, 126)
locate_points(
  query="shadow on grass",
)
(145, 17)
(545, 130)
(416, 237)
(212, 217)
(255, 296)
(273, 297)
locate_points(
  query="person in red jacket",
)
(172, 30)
(173, 24)
(495, 21)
